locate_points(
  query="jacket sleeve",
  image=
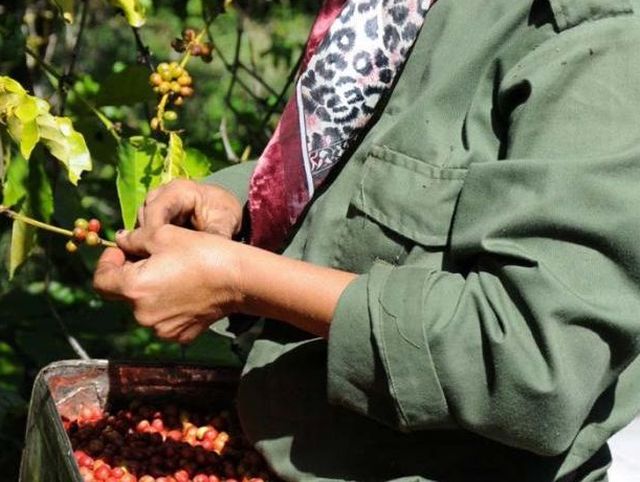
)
(540, 314)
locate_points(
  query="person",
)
(451, 289)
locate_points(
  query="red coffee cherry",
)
(94, 225)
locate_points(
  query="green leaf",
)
(31, 185)
(196, 164)
(66, 9)
(133, 11)
(175, 159)
(22, 242)
(66, 144)
(127, 87)
(139, 170)
(15, 189)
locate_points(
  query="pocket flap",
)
(409, 196)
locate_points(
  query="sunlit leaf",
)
(66, 144)
(15, 189)
(66, 9)
(22, 242)
(174, 160)
(133, 11)
(196, 164)
(28, 122)
(139, 169)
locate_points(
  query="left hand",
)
(185, 280)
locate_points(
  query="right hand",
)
(205, 207)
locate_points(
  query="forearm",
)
(299, 293)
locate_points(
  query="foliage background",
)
(50, 299)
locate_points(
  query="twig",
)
(62, 86)
(229, 68)
(73, 342)
(47, 227)
(144, 54)
(231, 155)
(236, 59)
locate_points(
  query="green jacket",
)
(492, 212)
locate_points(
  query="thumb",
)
(136, 243)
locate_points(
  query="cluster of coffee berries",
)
(190, 42)
(87, 232)
(160, 443)
(174, 81)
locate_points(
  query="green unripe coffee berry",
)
(92, 239)
(71, 247)
(81, 223)
(170, 116)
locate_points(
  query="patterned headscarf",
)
(354, 51)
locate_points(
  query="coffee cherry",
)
(207, 49)
(179, 101)
(188, 34)
(158, 424)
(178, 45)
(79, 234)
(186, 91)
(155, 124)
(176, 70)
(71, 247)
(94, 225)
(185, 79)
(81, 223)
(102, 473)
(166, 75)
(170, 115)
(196, 50)
(92, 239)
(163, 67)
(143, 426)
(155, 79)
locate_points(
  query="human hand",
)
(204, 207)
(185, 280)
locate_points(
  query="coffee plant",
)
(101, 101)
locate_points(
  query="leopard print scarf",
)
(364, 44)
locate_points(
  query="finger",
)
(108, 277)
(151, 196)
(170, 329)
(136, 243)
(174, 205)
(191, 333)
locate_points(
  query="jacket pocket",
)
(400, 202)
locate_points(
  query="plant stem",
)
(47, 227)
(62, 86)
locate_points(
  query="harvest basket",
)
(64, 386)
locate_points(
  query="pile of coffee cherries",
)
(87, 232)
(160, 443)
